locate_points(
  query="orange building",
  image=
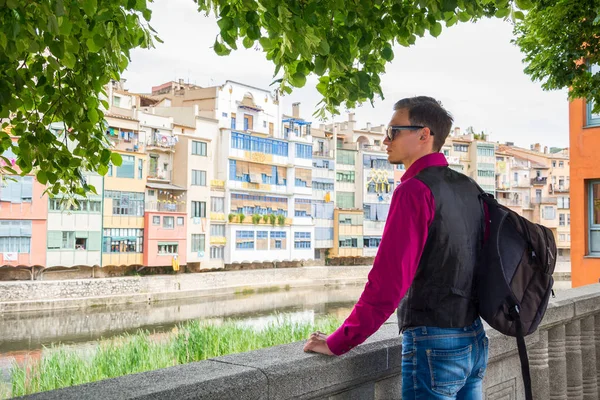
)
(165, 238)
(584, 132)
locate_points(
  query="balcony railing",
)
(323, 153)
(560, 189)
(162, 142)
(511, 202)
(166, 206)
(544, 200)
(539, 181)
(160, 175)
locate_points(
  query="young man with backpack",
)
(425, 265)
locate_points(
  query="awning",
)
(163, 186)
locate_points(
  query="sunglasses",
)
(393, 130)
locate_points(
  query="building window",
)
(180, 221)
(371, 242)
(561, 164)
(198, 242)
(244, 240)
(140, 169)
(303, 151)
(217, 252)
(350, 242)
(17, 189)
(224, 115)
(248, 123)
(116, 101)
(263, 145)
(278, 240)
(217, 230)
(344, 199)
(199, 148)
(123, 240)
(110, 170)
(232, 120)
(346, 157)
(593, 119)
(345, 176)
(264, 124)
(156, 220)
(461, 148)
(485, 151)
(127, 167)
(167, 249)
(15, 236)
(91, 206)
(168, 222)
(302, 240)
(549, 213)
(198, 177)
(262, 240)
(198, 209)
(126, 203)
(561, 219)
(217, 204)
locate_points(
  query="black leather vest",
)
(441, 294)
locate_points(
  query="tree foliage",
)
(556, 36)
(346, 43)
(55, 58)
(57, 55)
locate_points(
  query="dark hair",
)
(427, 111)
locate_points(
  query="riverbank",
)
(23, 296)
(20, 296)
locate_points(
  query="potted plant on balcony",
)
(231, 217)
(272, 219)
(281, 219)
(265, 219)
(241, 218)
(256, 219)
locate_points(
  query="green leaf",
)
(387, 53)
(524, 4)
(41, 177)
(102, 169)
(324, 48)
(92, 46)
(93, 115)
(298, 80)
(248, 42)
(89, 7)
(436, 29)
(116, 159)
(59, 8)
(225, 23)
(69, 60)
(220, 49)
(464, 16)
(52, 24)
(320, 65)
(519, 15)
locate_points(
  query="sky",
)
(472, 68)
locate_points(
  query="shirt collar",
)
(429, 160)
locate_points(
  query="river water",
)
(25, 334)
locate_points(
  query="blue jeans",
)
(444, 363)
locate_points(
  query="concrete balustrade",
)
(564, 354)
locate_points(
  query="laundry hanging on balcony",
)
(165, 140)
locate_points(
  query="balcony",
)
(560, 189)
(166, 206)
(159, 175)
(544, 200)
(511, 202)
(161, 142)
(323, 153)
(521, 183)
(216, 184)
(541, 181)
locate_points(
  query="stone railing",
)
(563, 353)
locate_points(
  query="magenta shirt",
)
(406, 229)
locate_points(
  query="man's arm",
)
(411, 212)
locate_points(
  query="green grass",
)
(128, 354)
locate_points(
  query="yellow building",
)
(348, 233)
(124, 185)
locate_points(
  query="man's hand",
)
(317, 344)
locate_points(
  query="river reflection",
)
(28, 332)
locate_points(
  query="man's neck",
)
(410, 162)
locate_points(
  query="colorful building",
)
(23, 218)
(584, 135)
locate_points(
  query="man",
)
(425, 265)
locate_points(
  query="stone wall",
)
(564, 355)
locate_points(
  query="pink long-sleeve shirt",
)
(406, 229)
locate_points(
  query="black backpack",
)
(513, 279)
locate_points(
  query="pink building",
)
(23, 220)
(165, 236)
